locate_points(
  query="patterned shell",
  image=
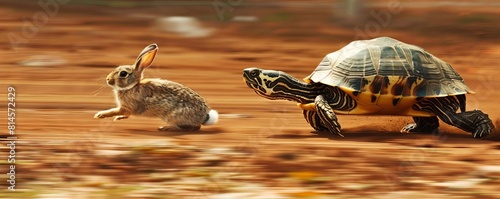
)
(386, 66)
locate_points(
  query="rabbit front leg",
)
(118, 112)
(120, 117)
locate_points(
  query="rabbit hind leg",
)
(180, 128)
(177, 123)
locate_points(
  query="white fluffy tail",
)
(212, 118)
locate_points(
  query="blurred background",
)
(57, 53)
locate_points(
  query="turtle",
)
(379, 76)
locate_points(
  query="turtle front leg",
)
(422, 125)
(313, 119)
(327, 116)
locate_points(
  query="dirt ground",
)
(260, 148)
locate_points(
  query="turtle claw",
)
(414, 128)
(327, 116)
(422, 125)
(483, 126)
(336, 132)
(408, 128)
(482, 130)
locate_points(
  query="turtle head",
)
(273, 84)
(261, 81)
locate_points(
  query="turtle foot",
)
(414, 128)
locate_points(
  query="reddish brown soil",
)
(62, 151)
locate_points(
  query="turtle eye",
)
(254, 73)
(123, 74)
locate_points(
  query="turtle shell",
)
(387, 66)
(387, 76)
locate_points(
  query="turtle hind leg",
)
(476, 122)
(422, 125)
(327, 116)
(313, 119)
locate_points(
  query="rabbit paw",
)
(120, 117)
(112, 112)
(100, 114)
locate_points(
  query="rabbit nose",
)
(110, 81)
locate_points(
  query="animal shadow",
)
(156, 132)
(367, 135)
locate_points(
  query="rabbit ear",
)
(146, 57)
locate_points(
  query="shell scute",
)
(385, 66)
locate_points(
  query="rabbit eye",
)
(123, 74)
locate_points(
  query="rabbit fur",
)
(179, 106)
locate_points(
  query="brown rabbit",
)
(179, 106)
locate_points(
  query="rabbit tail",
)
(212, 118)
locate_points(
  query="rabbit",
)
(179, 106)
